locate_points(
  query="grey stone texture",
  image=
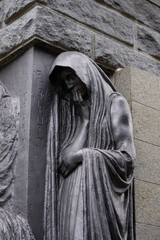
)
(147, 13)
(136, 84)
(41, 23)
(18, 32)
(147, 203)
(146, 128)
(1, 13)
(144, 12)
(9, 127)
(14, 226)
(142, 91)
(157, 2)
(94, 15)
(13, 7)
(27, 79)
(147, 232)
(148, 163)
(123, 6)
(122, 82)
(63, 32)
(145, 88)
(148, 41)
(115, 55)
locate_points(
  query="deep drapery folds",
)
(95, 200)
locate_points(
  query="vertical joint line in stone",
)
(93, 46)
(135, 35)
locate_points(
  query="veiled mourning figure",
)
(90, 157)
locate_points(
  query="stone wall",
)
(115, 33)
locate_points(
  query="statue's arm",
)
(122, 130)
(121, 122)
(123, 152)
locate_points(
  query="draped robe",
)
(9, 123)
(95, 201)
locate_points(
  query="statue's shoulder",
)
(116, 97)
(119, 104)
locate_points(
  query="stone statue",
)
(9, 123)
(12, 226)
(90, 156)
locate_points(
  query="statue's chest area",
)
(79, 140)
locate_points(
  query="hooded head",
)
(81, 66)
(98, 87)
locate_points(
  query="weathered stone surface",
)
(157, 66)
(14, 226)
(17, 32)
(120, 5)
(138, 85)
(9, 123)
(147, 203)
(145, 88)
(146, 122)
(122, 83)
(115, 55)
(148, 41)
(145, 12)
(94, 15)
(63, 32)
(147, 232)
(157, 2)
(1, 13)
(48, 26)
(147, 162)
(12, 7)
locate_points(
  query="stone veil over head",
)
(90, 156)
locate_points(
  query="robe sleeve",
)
(122, 130)
(108, 177)
(121, 157)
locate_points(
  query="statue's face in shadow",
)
(71, 86)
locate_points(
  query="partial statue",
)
(12, 226)
(90, 156)
(9, 124)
